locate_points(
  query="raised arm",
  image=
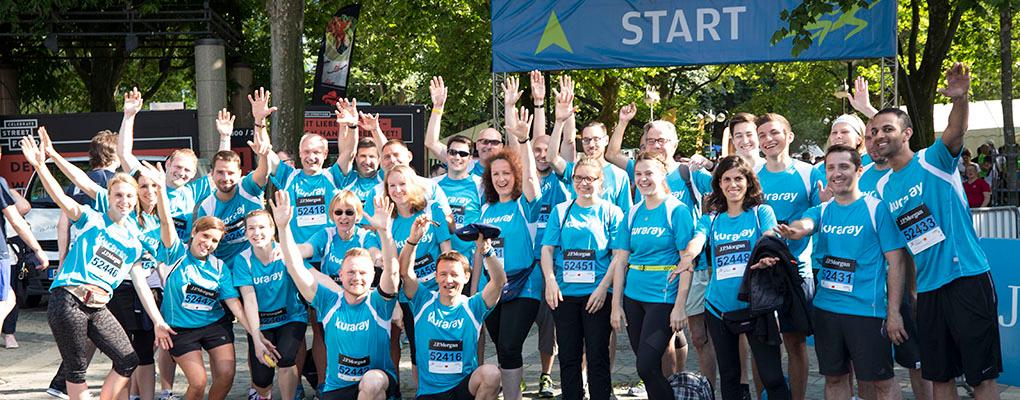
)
(167, 231)
(126, 136)
(521, 142)
(260, 111)
(264, 149)
(382, 222)
(511, 93)
(37, 158)
(538, 99)
(225, 127)
(303, 278)
(78, 177)
(957, 88)
(614, 151)
(437, 89)
(497, 276)
(860, 99)
(407, 275)
(564, 110)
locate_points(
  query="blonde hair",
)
(415, 193)
(349, 198)
(121, 177)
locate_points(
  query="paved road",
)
(25, 372)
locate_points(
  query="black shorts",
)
(841, 339)
(408, 320)
(460, 392)
(205, 338)
(908, 353)
(958, 325)
(786, 325)
(351, 392)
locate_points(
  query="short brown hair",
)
(773, 117)
(511, 157)
(103, 149)
(227, 156)
(454, 256)
(740, 118)
(460, 139)
(206, 223)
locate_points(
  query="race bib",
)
(425, 268)
(446, 356)
(579, 266)
(272, 317)
(105, 264)
(731, 259)
(919, 228)
(235, 232)
(198, 298)
(351, 369)
(181, 225)
(311, 211)
(838, 273)
(543, 216)
(458, 215)
(497, 250)
(148, 263)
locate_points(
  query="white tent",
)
(985, 122)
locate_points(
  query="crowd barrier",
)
(1006, 276)
(996, 222)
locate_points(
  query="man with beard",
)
(956, 303)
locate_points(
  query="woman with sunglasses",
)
(645, 283)
(579, 240)
(409, 203)
(329, 245)
(736, 218)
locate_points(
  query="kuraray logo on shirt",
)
(648, 230)
(582, 224)
(787, 196)
(730, 237)
(445, 324)
(273, 277)
(318, 191)
(914, 191)
(852, 230)
(349, 327)
(427, 238)
(493, 220)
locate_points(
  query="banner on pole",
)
(335, 56)
(592, 34)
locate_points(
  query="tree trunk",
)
(286, 19)
(1006, 57)
(100, 70)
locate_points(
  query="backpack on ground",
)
(691, 386)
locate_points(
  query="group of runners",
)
(872, 252)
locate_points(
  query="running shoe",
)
(168, 395)
(545, 386)
(57, 393)
(637, 390)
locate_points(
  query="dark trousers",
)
(768, 359)
(508, 326)
(18, 286)
(649, 333)
(577, 331)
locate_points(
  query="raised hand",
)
(382, 220)
(132, 102)
(957, 82)
(154, 173)
(347, 112)
(224, 123)
(511, 91)
(521, 126)
(860, 99)
(628, 112)
(33, 154)
(260, 108)
(282, 212)
(438, 91)
(537, 86)
(260, 144)
(368, 122)
(45, 144)
(418, 228)
(564, 99)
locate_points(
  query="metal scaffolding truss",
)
(497, 100)
(889, 92)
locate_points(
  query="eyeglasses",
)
(591, 140)
(458, 153)
(349, 213)
(585, 179)
(658, 141)
(490, 142)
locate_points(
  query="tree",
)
(286, 21)
(1006, 58)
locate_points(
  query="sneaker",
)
(57, 393)
(524, 386)
(10, 342)
(252, 394)
(167, 395)
(545, 385)
(637, 390)
(299, 394)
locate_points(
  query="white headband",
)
(853, 121)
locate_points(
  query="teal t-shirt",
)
(930, 208)
(615, 185)
(851, 245)
(310, 196)
(103, 252)
(584, 238)
(654, 238)
(791, 192)
(194, 289)
(730, 243)
(361, 186)
(427, 252)
(553, 192)
(446, 339)
(247, 198)
(868, 183)
(701, 183)
(330, 248)
(357, 336)
(515, 245)
(466, 198)
(183, 201)
(277, 296)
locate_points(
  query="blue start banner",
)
(1006, 276)
(592, 34)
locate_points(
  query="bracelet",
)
(524, 141)
(437, 110)
(488, 253)
(352, 126)
(258, 125)
(411, 243)
(540, 105)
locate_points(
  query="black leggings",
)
(18, 286)
(72, 323)
(767, 357)
(287, 339)
(577, 331)
(508, 326)
(649, 333)
(407, 318)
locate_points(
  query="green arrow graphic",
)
(553, 35)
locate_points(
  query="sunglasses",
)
(349, 213)
(458, 153)
(490, 142)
